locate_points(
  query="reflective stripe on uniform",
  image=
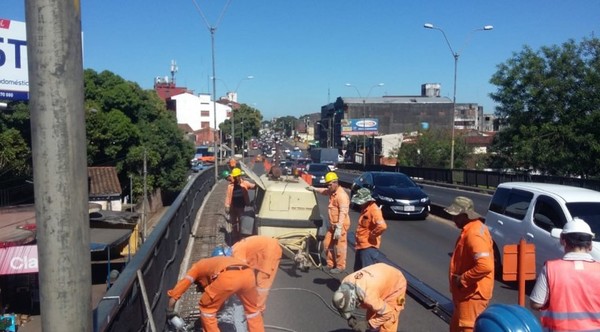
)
(481, 254)
(190, 278)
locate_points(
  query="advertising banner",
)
(14, 80)
(367, 126)
(18, 259)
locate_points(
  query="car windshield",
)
(588, 211)
(317, 168)
(393, 180)
(303, 162)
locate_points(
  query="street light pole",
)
(455, 55)
(364, 117)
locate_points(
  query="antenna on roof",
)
(173, 70)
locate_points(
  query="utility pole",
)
(59, 163)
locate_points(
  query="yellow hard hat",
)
(331, 176)
(236, 172)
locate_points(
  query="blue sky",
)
(301, 53)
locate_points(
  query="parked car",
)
(396, 193)
(532, 210)
(317, 172)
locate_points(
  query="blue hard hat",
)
(507, 318)
(221, 250)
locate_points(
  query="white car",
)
(532, 210)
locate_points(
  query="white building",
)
(197, 110)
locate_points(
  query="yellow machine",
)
(285, 210)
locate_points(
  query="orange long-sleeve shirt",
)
(381, 290)
(339, 206)
(203, 272)
(370, 227)
(473, 260)
(259, 252)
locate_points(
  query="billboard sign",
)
(366, 126)
(14, 80)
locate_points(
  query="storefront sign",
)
(18, 260)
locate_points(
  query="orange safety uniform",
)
(370, 227)
(262, 253)
(381, 289)
(236, 200)
(338, 208)
(574, 301)
(473, 261)
(232, 164)
(221, 277)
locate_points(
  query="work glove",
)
(359, 325)
(337, 233)
(171, 313)
(310, 188)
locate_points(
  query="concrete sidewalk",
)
(208, 231)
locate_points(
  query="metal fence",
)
(474, 178)
(140, 291)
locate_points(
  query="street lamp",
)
(364, 117)
(456, 55)
(243, 139)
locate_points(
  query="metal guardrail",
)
(474, 178)
(123, 308)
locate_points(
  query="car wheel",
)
(497, 263)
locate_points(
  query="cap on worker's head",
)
(225, 174)
(221, 250)
(362, 196)
(236, 172)
(464, 205)
(331, 176)
(577, 225)
(344, 300)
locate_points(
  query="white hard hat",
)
(344, 300)
(577, 225)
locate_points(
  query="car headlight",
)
(424, 199)
(386, 199)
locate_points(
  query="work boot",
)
(336, 271)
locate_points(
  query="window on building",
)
(204, 113)
(204, 124)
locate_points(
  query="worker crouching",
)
(218, 278)
(379, 288)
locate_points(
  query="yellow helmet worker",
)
(236, 172)
(331, 176)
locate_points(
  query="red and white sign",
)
(18, 260)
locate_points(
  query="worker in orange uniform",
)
(368, 231)
(471, 275)
(218, 278)
(236, 200)
(566, 290)
(379, 288)
(232, 164)
(261, 253)
(336, 241)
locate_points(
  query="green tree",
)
(15, 142)
(431, 148)
(251, 119)
(549, 105)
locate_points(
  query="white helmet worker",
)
(345, 300)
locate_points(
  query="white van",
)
(531, 210)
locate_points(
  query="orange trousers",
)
(336, 250)
(263, 286)
(466, 312)
(239, 282)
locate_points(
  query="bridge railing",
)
(142, 285)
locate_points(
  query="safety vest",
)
(574, 296)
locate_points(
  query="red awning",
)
(18, 259)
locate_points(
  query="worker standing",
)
(471, 275)
(379, 288)
(369, 229)
(566, 290)
(235, 201)
(232, 164)
(263, 254)
(218, 278)
(335, 242)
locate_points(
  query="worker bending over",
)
(379, 288)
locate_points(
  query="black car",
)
(317, 172)
(396, 193)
